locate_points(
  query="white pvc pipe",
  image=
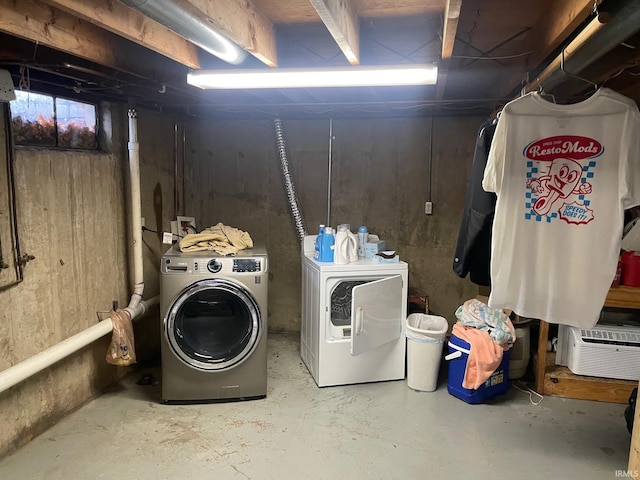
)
(25, 369)
(136, 308)
(136, 210)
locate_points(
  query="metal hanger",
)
(573, 75)
(542, 93)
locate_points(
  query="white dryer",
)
(213, 325)
(353, 320)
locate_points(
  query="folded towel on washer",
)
(220, 238)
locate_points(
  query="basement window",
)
(48, 121)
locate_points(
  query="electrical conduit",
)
(136, 308)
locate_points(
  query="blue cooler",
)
(496, 384)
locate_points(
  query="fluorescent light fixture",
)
(356, 76)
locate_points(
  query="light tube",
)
(356, 76)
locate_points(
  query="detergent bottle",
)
(318, 243)
(327, 245)
(346, 245)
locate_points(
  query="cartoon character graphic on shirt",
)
(562, 180)
(559, 168)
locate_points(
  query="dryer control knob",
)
(214, 266)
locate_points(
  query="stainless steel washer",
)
(214, 325)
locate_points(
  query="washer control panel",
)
(246, 265)
(174, 265)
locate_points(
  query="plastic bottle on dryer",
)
(346, 246)
(327, 245)
(318, 243)
(363, 238)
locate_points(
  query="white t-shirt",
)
(563, 174)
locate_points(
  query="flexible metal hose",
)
(288, 183)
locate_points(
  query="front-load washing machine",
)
(214, 325)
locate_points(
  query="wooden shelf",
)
(559, 381)
(623, 297)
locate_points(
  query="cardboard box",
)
(371, 248)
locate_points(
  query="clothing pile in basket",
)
(489, 332)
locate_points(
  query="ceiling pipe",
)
(558, 62)
(623, 21)
(193, 27)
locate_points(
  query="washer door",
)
(213, 324)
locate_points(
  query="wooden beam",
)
(623, 297)
(132, 25)
(634, 449)
(550, 31)
(241, 22)
(451, 16)
(40, 23)
(560, 382)
(541, 362)
(555, 25)
(441, 82)
(450, 28)
(34, 21)
(341, 19)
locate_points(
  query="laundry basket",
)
(425, 337)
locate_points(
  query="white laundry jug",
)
(346, 246)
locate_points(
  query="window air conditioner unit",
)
(609, 351)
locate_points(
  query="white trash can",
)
(425, 338)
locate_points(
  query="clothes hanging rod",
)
(604, 33)
(558, 62)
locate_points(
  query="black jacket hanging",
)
(473, 251)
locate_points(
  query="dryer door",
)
(213, 324)
(376, 314)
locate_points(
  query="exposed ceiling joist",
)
(132, 25)
(341, 19)
(598, 40)
(56, 29)
(555, 25)
(451, 16)
(485, 48)
(45, 25)
(241, 22)
(450, 28)
(549, 32)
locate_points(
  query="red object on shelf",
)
(631, 269)
(618, 278)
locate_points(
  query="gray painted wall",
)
(380, 178)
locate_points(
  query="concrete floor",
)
(371, 431)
